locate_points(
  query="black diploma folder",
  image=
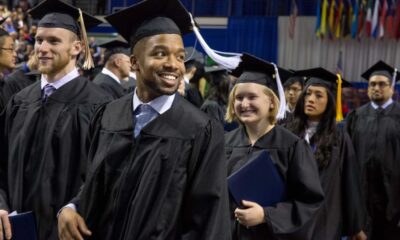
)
(23, 226)
(257, 181)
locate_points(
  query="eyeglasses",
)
(8, 49)
(379, 84)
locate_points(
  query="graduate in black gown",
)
(7, 62)
(43, 159)
(255, 105)
(375, 131)
(163, 177)
(293, 87)
(116, 69)
(343, 212)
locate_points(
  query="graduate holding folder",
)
(254, 103)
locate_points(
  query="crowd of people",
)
(142, 147)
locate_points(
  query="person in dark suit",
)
(117, 68)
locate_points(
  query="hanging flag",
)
(390, 20)
(361, 17)
(338, 20)
(397, 21)
(345, 30)
(382, 19)
(332, 11)
(324, 14)
(374, 24)
(354, 22)
(292, 19)
(368, 19)
(318, 23)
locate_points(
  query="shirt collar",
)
(111, 74)
(62, 81)
(161, 104)
(384, 106)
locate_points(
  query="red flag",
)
(361, 18)
(397, 21)
(390, 20)
(368, 19)
(382, 19)
(292, 20)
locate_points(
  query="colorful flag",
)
(390, 19)
(354, 21)
(332, 10)
(397, 21)
(361, 17)
(322, 31)
(292, 20)
(338, 20)
(382, 19)
(345, 19)
(368, 19)
(318, 23)
(375, 25)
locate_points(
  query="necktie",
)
(379, 110)
(144, 115)
(47, 91)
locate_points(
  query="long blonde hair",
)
(230, 115)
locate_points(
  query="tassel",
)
(339, 113)
(88, 61)
(228, 62)
(282, 101)
(394, 77)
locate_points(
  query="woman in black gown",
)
(342, 213)
(254, 104)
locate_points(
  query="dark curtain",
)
(255, 35)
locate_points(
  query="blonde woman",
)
(255, 105)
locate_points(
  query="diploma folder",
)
(23, 226)
(257, 181)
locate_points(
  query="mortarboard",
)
(115, 46)
(193, 55)
(255, 70)
(3, 32)
(58, 14)
(383, 69)
(333, 82)
(151, 17)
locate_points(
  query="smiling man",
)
(375, 132)
(43, 158)
(158, 162)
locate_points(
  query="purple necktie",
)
(47, 91)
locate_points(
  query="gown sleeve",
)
(304, 193)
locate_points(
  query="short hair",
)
(230, 111)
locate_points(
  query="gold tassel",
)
(339, 113)
(88, 62)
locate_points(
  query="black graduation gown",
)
(296, 163)
(214, 110)
(43, 158)
(110, 85)
(376, 139)
(169, 183)
(129, 85)
(343, 212)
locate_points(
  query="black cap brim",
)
(321, 76)
(56, 6)
(380, 68)
(129, 20)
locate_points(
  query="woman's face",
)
(251, 104)
(315, 102)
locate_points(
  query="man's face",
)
(293, 92)
(124, 65)
(159, 64)
(379, 89)
(8, 54)
(56, 49)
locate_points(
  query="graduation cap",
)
(382, 69)
(3, 32)
(149, 18)
(58, 14)
(193, 55)
(255, 70)
(333, 82)
(115, 46)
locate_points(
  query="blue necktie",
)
(47, 91)
(144, 115)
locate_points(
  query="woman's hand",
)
(252, 215)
